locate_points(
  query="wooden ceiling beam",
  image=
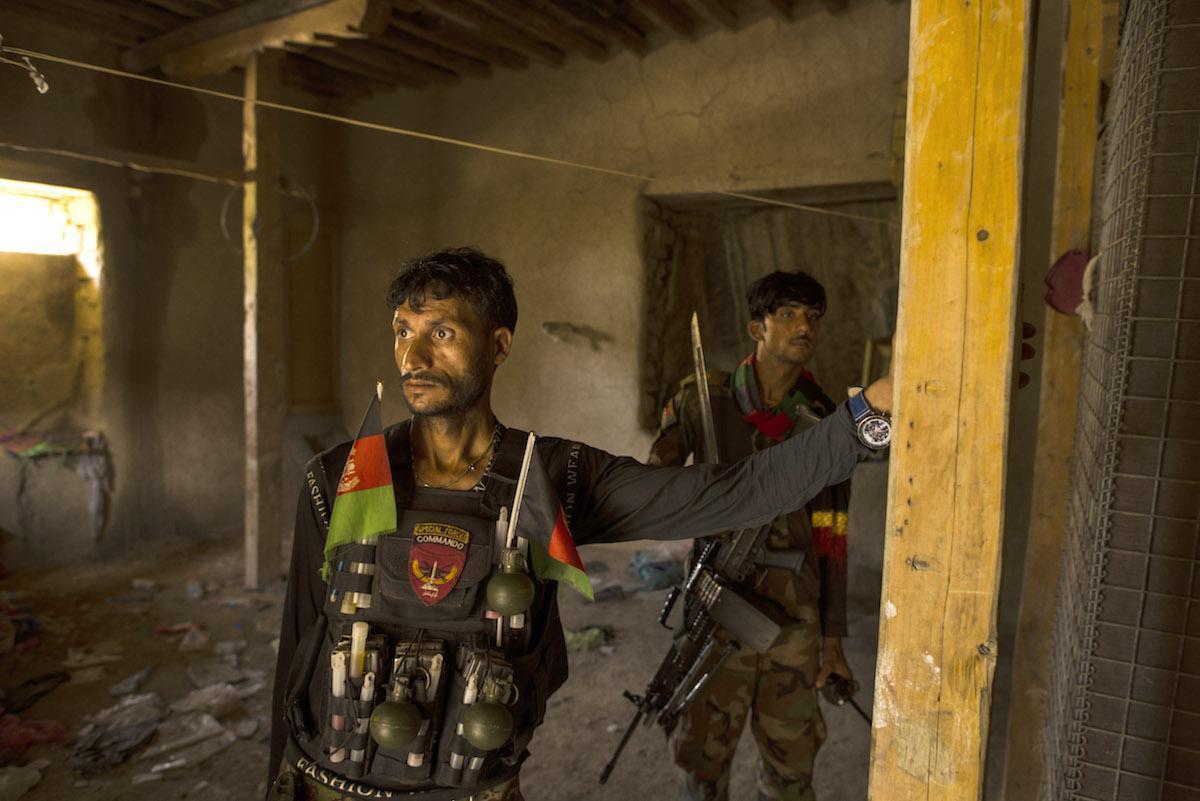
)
(416, 47)
(676, 17)
(548, 28)
(189, 9)
(721, 12)
(786, 9)
(100, 27)
(494, 25)
(390, 62)
(130, 10)
(329, 57)
(227, 37)
(607, 29)
(321, 79)
(627, 13)
(448, 33)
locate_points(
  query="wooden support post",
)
(954, 347)
(1062, 346)
(264, 360)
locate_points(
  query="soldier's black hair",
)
(458, 272)
(774, 290)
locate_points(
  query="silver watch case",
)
(875, 431)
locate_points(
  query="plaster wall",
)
(170, 297)
(773, 105)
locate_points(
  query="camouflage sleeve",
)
(677, 429)
(833, 584)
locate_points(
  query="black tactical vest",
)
(431, 643)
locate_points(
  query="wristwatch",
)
(874, 428)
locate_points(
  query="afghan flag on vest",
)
(364, 505)
(540, 520)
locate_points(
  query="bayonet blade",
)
(709, 451)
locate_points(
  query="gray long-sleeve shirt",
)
(606, 498)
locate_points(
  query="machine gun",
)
(718, 619)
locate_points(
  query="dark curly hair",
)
(458, 272)
(774, 290)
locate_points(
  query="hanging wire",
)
(425, 136)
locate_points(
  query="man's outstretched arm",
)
(627, 500)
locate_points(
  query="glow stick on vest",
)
(338, 677)
(469, 696)
(358, 648)
(367, 695)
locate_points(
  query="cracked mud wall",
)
(774, 105)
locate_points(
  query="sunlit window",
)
(56, 220)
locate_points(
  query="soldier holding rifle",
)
(791, 572)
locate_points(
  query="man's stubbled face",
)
(790, 333)
(444, 353)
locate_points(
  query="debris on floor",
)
(17, 781)
(131, 684)
(588, 638)
(30, 691)
(656, 571)
(136, 678)
(17, 735)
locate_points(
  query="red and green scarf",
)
(828, 509)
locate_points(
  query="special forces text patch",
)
(436, 560)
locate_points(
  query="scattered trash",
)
(217, 699)
(655, 571)
(609, 592)
(16, 782)
(201, 787)
(195, 639)
(8, 634)
(16, 735)
(612, 728)
(588, 638)
(607, 650)
(177, 628)
(114, 732)
(226, 647)
(88, 675)
(214, 671)
(103, 653)
(142, 778)
(208, 739)
(30, 691)
(275, 645)
(143, 585)
(245, 729)
(131, 684)
(182, 732)
(194, 590)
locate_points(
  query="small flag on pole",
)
(364, 505)
(538, 517)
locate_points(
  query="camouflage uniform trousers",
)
(776, 691)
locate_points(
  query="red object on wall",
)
(1064, 282)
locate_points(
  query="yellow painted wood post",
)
(1062, 345)
(264, 356)
(954, 347)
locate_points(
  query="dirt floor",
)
(110, 613)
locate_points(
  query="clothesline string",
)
(421, 135)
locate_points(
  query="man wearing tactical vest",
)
(769, 399)
(423, 667)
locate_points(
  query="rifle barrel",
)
(612, 763)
